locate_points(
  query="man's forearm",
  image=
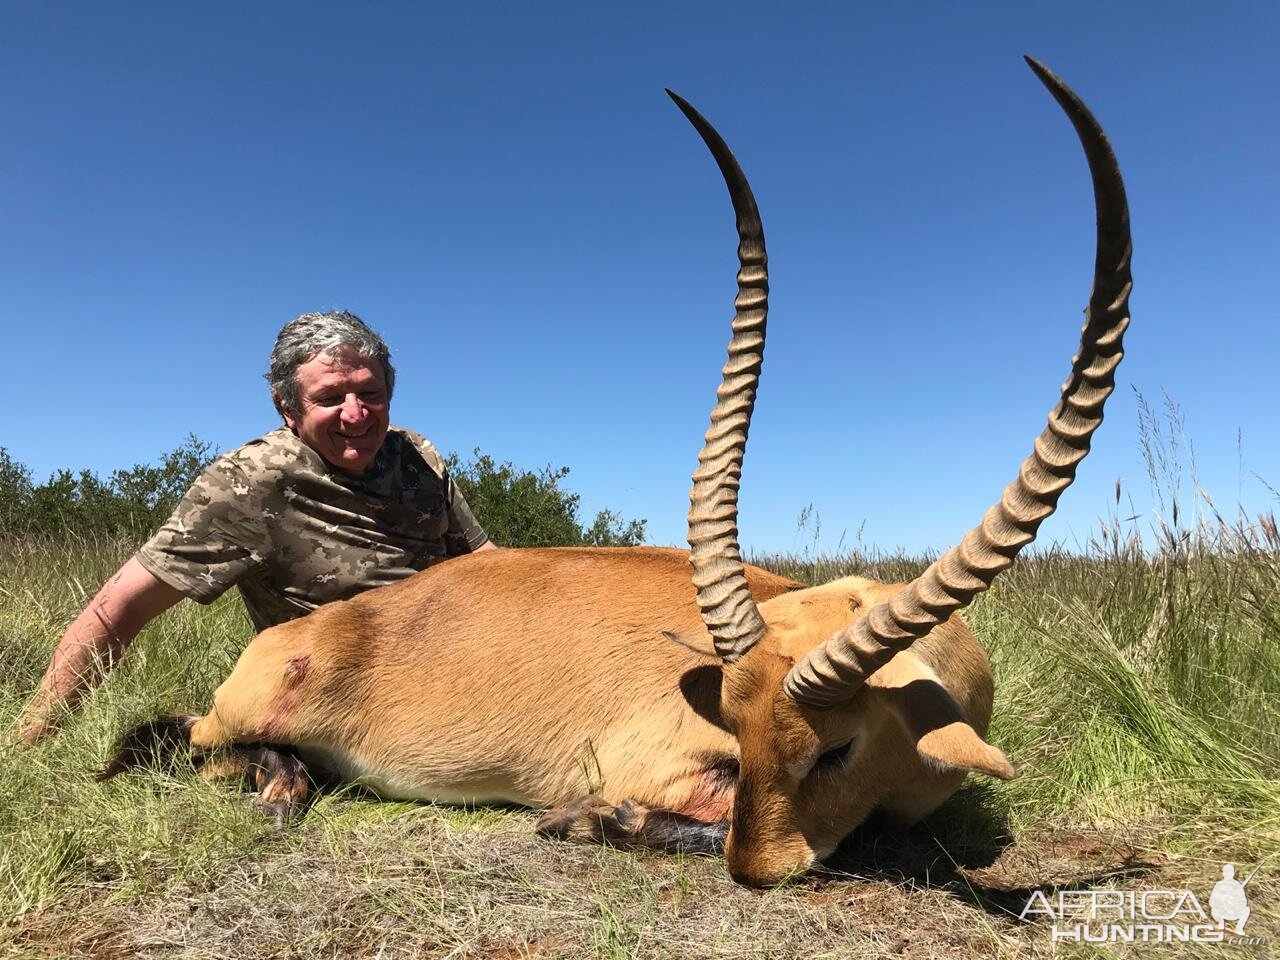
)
(95, 639)
(84, 654)
(82, 658)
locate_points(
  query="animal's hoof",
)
(282, 783)
(591, 819)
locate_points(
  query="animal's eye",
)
(833, 758)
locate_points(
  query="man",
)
(334, 502)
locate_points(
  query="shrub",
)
(519, 508)
(516, 507)
(133, 501)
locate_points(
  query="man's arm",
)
(487, 545)
(127, 602)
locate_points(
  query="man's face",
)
(343, 408)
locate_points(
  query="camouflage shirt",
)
(292, 532)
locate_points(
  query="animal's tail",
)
(152, 744)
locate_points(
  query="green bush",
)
(15, 491)
(516, 507)
(133, 501)
(519, 508)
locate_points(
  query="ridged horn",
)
(834, 672)
(724, 598)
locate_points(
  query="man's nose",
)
(353, 411)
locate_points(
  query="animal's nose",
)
(767, 876)
(751, 879)
(767, 865)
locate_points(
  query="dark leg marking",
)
(155, 743)
(678, 832)
(592, 819)
(276, 772)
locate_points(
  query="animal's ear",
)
(935, 724)
(958, 746)
(695, 641)
(701, 689)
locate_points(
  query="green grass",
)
(1138, 693)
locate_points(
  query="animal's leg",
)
(281, 780)
(275, 772)
(150, 744)
(258, 702)
(592, 819)
(156, 742)
(243, 736)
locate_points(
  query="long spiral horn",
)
(724, 598)
(834, 672)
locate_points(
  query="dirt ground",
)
(432, 884)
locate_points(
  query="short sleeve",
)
(465, 533)
(215, 537)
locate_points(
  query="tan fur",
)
(539, 676)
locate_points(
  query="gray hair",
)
(315, 333)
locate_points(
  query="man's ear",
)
(289, 420)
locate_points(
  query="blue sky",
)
(504, 192)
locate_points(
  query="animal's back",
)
(509, 675)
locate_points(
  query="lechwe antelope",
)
(776, 721)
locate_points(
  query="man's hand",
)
(127, 602)
(34, 724)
